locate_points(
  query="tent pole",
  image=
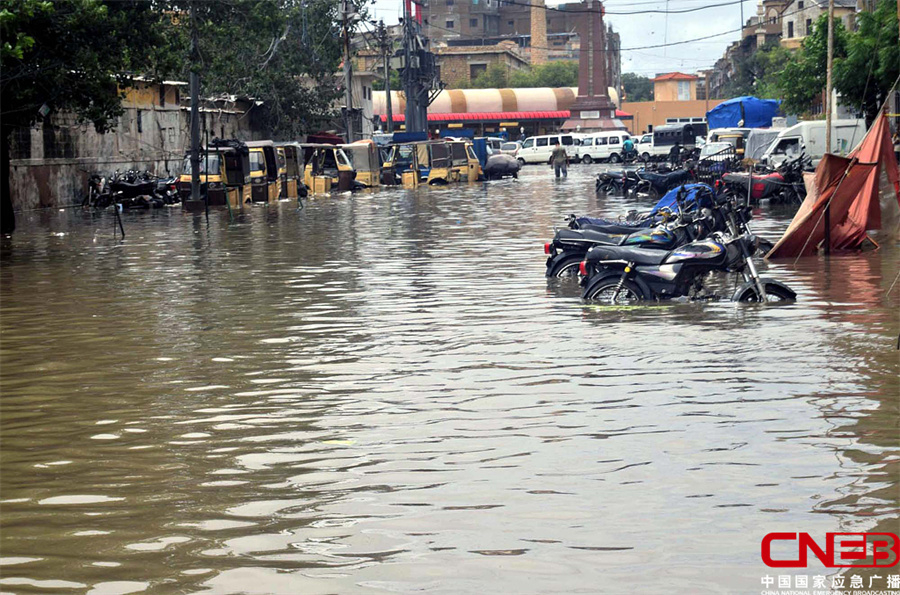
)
(828, 109)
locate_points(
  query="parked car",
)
(537, 149)
(510, 148)
(603, 146)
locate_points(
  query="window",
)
(449, 2)
(787, 146)
(800, 4)
(790, 29)
(510, 23)
(601, 140)
(449, 24)
(684, 90)
(809, 26)
(528, 143)
(543, 142)
(614, 140)
(647, 138)
(140, 121)
(162, 95)
(476, 69)
(473, 22)
(568, 141)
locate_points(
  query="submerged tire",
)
(614, 158)
(567, 267)
(604, 290)
(774, 293)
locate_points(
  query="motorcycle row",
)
(131, 190)
(782, 184)
(667, 252)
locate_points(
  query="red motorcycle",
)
(781, 185)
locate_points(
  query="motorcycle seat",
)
(612, 228)
(635, 255)
(586, 236)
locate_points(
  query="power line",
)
(606, 12)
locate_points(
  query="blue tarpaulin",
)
(756, 113)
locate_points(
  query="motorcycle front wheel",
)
(774, 293)
(604, 292)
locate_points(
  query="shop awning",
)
(498, 116)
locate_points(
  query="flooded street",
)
(382, 393)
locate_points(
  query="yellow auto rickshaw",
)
(326, 166)
(421, 161)
(224, 174)
(293, 169)
(464, 162)
(366, 161)
(264, 176)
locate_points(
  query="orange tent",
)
(851, 187)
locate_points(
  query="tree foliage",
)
(757, 73)
(802, 79)
(560, 73)
(636, 87)
(865, 75)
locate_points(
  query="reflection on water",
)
(382, 393)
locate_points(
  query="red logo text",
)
(842, 550)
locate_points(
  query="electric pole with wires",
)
(386, 45)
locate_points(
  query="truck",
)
(809, 138)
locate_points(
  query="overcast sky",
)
(651, 29)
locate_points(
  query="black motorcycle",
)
(656, 184)
(623, 275)
(660, 229)
(615, 182)
(783, 184)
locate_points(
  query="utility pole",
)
(194, 203)
(348, 69)
(386, 53)
(828, 109)
(409, 74)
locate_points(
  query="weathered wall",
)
(52, 162)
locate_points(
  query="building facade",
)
(800, 15)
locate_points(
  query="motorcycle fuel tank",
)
(704, 250)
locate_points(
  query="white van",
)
(646, 150)
(809, 138)
(603, 146)
(537, 149)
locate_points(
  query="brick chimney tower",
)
(593, 111)
(538, 32)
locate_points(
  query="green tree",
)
(555, 74)
(757, 72)
(69, 55)
(802, 79)
(495, 77)
(866, 74)
(283, 53)
(636, 87)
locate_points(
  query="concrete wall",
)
(668, 90)
(456, 62)
(51, 163)
(795, 21)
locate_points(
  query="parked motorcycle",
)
(780, 185)
(649, 230)
(656, 184)
(625, 275)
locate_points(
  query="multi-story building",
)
(799, 17)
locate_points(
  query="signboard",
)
(509, 124)
(591, 115)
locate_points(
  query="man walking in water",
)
(559, 159)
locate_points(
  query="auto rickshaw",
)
(293, 170)
(421, 161)
(326, 166)
(264, 176)
(366, 160)
(464, 162)
(224, 174)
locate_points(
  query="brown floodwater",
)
(381, 393)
